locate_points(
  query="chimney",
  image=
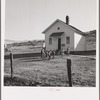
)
(67, 20)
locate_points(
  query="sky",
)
(27, 19)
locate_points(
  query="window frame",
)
(50, 41)
(68, 40)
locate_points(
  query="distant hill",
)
(91, 40)
(9, 41)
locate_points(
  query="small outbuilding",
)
(60, 35)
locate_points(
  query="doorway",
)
(59, 43)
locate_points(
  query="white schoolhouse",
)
(62, 35)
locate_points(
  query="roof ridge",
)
(74, 28)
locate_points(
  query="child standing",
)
(62, 52)
(68, 50)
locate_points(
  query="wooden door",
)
(59, 43)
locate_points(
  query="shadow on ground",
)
(30, 59)
(16, 81)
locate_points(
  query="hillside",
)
(10, 41)
(26, 43)
(91, 40)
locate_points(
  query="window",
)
(67, 40)
(50, 40)
(58, 28)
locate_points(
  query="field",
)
(34, 71)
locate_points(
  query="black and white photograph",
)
(49, 49)
(50, 43)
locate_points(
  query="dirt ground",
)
(33, 71)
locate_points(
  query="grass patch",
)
(33, 71)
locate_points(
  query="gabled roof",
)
(69, 26)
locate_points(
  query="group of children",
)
(47, 54)
(51, 53)
(62, 52)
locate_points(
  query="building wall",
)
(80, 42)
(67, 32)
(77, 42)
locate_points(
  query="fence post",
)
(11, 63)
(69, 71)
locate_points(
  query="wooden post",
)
(41, 53)
(69, 71)
(11, 63)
